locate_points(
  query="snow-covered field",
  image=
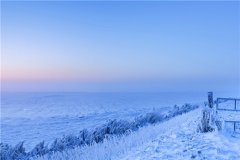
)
(148, 122)
(118, 147)
(36, 117)
(175, 139)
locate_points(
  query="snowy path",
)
(183, 142)
(175, 139)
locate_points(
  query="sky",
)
(120, 46)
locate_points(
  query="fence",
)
(221, 104)
(229, 109)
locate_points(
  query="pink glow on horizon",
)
(46, 75)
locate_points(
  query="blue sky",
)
(120, 46)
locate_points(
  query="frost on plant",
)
(90, 137)
(207, 121)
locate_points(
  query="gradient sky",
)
(120, 46)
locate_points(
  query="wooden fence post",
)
(210, 99)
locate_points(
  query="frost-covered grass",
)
(185, 143)
(109, 132)
(46, 116)
(115, 146)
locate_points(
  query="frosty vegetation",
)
(90, 137)
(207, 118)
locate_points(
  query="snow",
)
(46, 116)
(174, 139)
(85, 137)
(229, 115)
(127, 127)
(183, 142)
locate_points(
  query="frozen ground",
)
(183, 143)
(34, 117)
(175, 139)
